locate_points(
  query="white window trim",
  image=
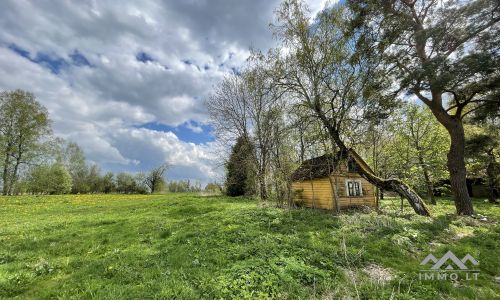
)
(347, 187)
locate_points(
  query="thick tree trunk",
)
(456, 167)
(456, 155)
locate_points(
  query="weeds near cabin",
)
(188, 247)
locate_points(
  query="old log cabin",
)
(313, 188)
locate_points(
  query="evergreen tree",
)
(239, 168)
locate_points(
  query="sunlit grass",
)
(180, 246)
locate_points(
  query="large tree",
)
(244, 104)
(324, 73)
(25, 134)
(445, 53)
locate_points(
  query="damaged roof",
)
(317, 167)
(321, 166)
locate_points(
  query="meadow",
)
(184, 246)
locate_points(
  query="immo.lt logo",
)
(449, 272)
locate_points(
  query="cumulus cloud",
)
(104, 67)
(154, 147)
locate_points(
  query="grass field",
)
(182, 246)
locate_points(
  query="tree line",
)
(348, 78)
(35, 161)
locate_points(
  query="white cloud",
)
(99, 104)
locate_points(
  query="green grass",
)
(182, 246)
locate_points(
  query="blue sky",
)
(127, 79)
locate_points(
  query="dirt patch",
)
(378, 273)
(375, 273)
(460, 235)
(434, 244)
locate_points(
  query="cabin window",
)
(353, 187)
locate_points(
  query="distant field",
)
(181, 246)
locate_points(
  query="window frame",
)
(354, 187)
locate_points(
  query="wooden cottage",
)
(313, 188)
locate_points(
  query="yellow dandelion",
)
(110, 268)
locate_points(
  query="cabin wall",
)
(323, 192)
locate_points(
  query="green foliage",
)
(239, 179)
(419, 147)
(108, 183)
(127, 183)
(25, 134)
(46, 179)
(60, 180)
(482, 131)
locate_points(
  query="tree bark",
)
(456, 163)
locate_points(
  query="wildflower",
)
(110, 268)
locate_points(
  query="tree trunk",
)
(262, 182)
(456, 167)
(13, 179)
(430, 189)
(5, 176)
(456, 155)
(491, 181)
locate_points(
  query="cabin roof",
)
(322, 166)
(316, 167)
